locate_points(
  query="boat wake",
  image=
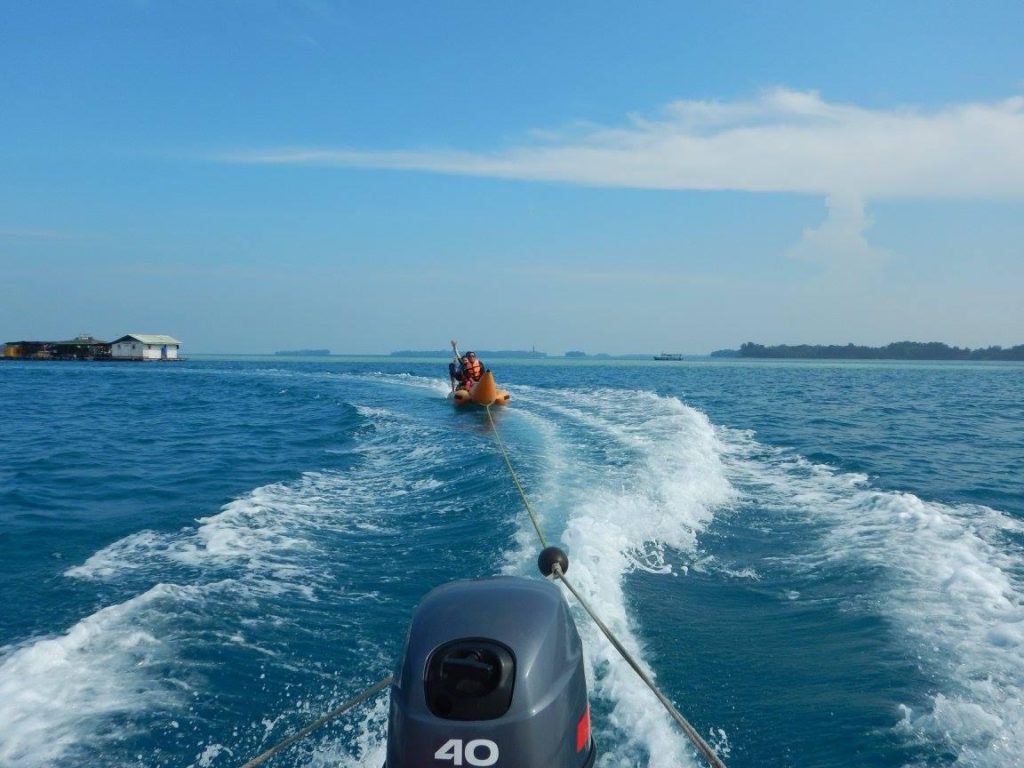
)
(948, 578)
(294, 596)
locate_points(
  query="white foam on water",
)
(59, 693)
(209, 753)
(364, 744)
(69, 694)
(403, 380)
(950, 579)
(263, 534)
(121, 556)
(274, 530)
(654, 483)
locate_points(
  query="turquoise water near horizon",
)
(820, 561)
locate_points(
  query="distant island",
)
(899, 350)
(572, 354)
(483, 353)
(305, 352)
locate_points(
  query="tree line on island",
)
(898, 350)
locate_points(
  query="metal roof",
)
(149, 338)
(83, 339)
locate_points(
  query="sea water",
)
(820, 563)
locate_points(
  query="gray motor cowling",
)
(492, 675)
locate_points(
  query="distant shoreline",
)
(899, 350)
(446, 353)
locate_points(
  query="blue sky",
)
(611, 177)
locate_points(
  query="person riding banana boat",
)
(469, 371)
(472, 382)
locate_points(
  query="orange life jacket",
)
(473, 370)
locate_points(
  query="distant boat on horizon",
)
(669, 356)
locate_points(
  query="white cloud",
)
(782, 141)
(840, 241)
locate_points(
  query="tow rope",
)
(695, 738)
(515, 479)
(334, 714)
(556, 571)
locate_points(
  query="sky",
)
(251, 176)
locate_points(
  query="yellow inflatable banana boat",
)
(485, 392)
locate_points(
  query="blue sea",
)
(821, 563)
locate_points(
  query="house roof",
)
(84, 340)
(148, 338)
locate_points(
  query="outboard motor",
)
(492, 675)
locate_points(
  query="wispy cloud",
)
(781, 141)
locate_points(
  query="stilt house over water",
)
(134, 346)
(144, 346)
(83, 347)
